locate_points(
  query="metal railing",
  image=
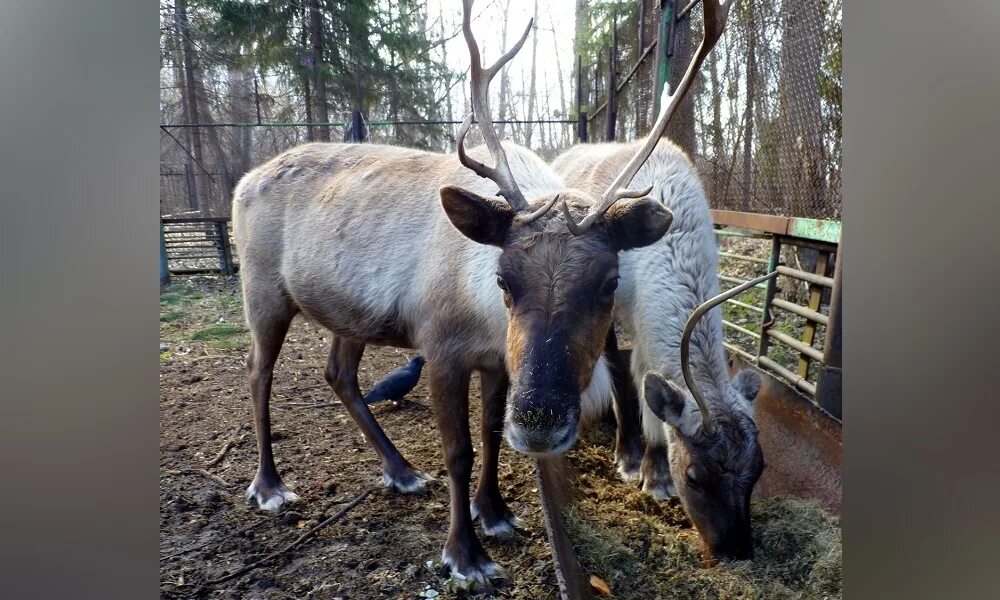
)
(192, 245)
(789, 339)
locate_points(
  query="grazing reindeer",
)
(354, 238)
(714, 457)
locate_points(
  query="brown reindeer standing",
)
(393, 246)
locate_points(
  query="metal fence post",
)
(642, 21)
(772, 285)
(225, 250)
(663, 50)
(357, 127)
(815, 300)
(164, 266)
(829, 387)
(581, 115)
(192, 187)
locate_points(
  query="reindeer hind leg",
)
(342, 375)
(269, 313)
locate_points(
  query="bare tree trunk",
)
(190, 180)
(681, 127)
(529, 131)
(191, 102)
(319, 81)
(225, 180)
(800, 155)
(563, 106)
(240, 101)
(447, 80)
(748, 157)
(644, 78)
(717, 152)
(504, 77)
(306, 93)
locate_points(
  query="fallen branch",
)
(227, 446)
(303, 404)
(202, 472)
(297, 541)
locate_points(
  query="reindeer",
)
(708, 452)
(392, 246)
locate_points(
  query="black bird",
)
(397, 383)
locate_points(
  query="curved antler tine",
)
(598, 211)
(706, 419)
(471, 163)
(715, 14)
(573, 227)
(634, 193)
(500, 173)
(525, 219)
(493, 69)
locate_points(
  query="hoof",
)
(472, 571)
(270, 497)
(661, 490)
(655, 477)
(628, 471)
(405, 480)
(628, 462)
(495, 518)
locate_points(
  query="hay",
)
(648, 549)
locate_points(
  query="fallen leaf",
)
(600, 585)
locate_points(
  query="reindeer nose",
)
(737, 552)
(738, 546)
(540, 441)
(542, 424)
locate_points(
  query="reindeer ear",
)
(481, 219)
(637, 223)
(747, 382)
(672, 404)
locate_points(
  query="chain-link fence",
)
(204, 188)
(762, 121)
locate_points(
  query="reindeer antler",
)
(481, 77)
(699, 312)
(716, 12)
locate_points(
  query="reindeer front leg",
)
(489, 506)
(463, 553)
(628, 440)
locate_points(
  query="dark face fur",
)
(714, 473)
(559, 292)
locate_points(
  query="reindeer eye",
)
(610, 286)
(692, 481)
(502, 284)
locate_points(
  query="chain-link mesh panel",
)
(765, 129)
(187, 190)
(204, 186)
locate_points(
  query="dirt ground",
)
(389, 545)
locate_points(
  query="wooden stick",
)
(225, 448)
(302, 404)
(202, 472)
(297, 541)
